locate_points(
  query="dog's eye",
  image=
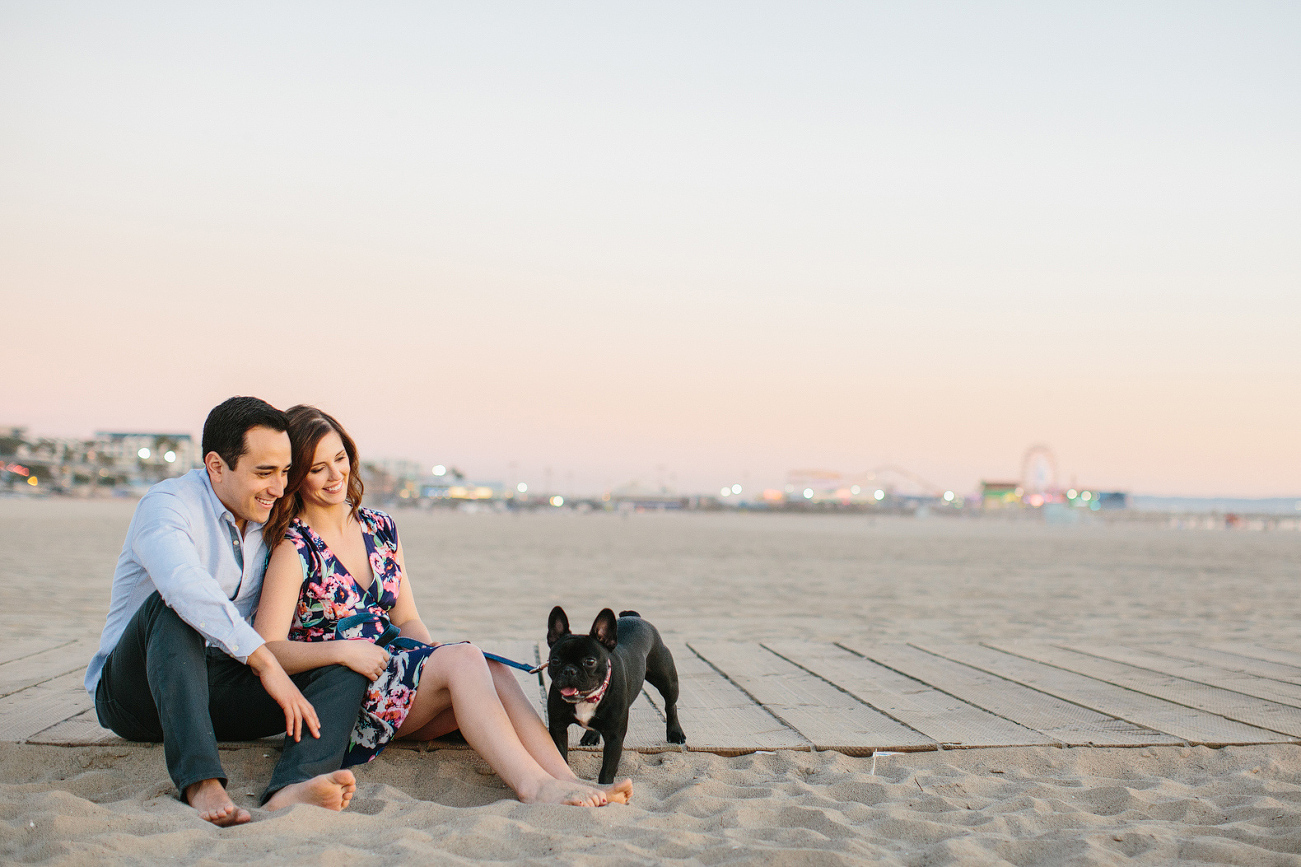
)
(590, 662)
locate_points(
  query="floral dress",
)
(332, 606)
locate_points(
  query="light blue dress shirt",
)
(183, 542)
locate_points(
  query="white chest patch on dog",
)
(583, 712)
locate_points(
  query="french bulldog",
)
(596, 677)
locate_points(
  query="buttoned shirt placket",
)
(237, 544)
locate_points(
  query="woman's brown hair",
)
(307, 427)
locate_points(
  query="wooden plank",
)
(1194, 726)
(1200, 672)
(716, 716)
(36, 708)
(940, 716)
(827, 716)
(1059, 720)
(20, 648)
(82, 730)
(1257, 651)
(34, 668)
(1222, 702)
(1230, 661)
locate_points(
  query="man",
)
(179, 661)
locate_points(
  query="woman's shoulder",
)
(299, 537)
(377, 521)
(296, 532)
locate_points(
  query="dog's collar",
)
(595, 696)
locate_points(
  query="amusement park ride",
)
(1038, 487)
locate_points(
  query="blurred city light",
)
(522, 488)
(170, 457)
(440, 470)
(31, 480)
(880, 495)
(948, 496)
(725, 492)
(557, 500)
(808, 493)
(736, 489)
(856, 490)
(144, 454)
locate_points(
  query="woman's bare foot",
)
(574, 794)
(214, 805)
(331, 791)
(619, 792)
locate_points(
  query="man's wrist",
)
(262, 661)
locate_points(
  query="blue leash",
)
(392, 636)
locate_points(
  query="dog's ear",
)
(605, 629)
(557, 626)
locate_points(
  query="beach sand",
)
(738, 576)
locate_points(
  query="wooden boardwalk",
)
(852, 697)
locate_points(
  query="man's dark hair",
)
(229, 420)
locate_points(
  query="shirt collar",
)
(219, 508)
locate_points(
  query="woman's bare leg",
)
(457, 677)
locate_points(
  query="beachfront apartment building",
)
(111, 461)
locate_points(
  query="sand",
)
(729, 576)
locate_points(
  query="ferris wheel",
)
(1038, 469)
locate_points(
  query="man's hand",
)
(362, 656)
(298, 710)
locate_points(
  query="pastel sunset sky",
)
(690, 242)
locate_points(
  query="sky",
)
(684, 243)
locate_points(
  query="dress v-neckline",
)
(370, 549)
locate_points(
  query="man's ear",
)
(216, 466)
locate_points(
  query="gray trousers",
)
(162, 684)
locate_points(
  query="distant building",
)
(438, 489)
(148, 457)
(633, 496)
(1001, 495)
(1113, 500)
(110, 460)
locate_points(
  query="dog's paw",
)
(677, 736)
(590, 739)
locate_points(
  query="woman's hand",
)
(362, 656)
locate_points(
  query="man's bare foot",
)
(214, 805)
(331, 791)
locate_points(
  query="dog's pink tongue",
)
(568, 691)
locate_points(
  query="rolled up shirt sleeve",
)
(167, 551)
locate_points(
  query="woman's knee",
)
(463, 655)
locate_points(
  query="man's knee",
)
(333, 679)
(157, 617)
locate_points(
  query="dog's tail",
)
(629, 614)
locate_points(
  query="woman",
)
(336, 593)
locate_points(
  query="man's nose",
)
(277, 488)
